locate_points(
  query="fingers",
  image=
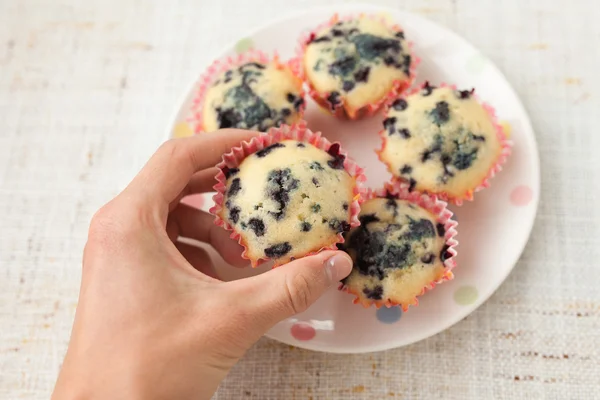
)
(189, 222)
(169, 170)
(203, 181)
(229, 249)
(292, 288)
(198, 258)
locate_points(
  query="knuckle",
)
(100, 236)
(107, 225)
(110, 234)
(101, 222)
(169, 147)
(300, 293)
(174, 148)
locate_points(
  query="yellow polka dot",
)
(466, 295)
(181, 130)
(244, 45)
(507, 128)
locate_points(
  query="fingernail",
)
(338, 267)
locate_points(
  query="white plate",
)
(493, 229)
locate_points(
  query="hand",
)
(153, 322)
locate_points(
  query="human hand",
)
(153, 321)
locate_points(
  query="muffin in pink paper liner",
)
(443, 141)
(248, 91)
(354, 64)
(403, 247)
(287, 194)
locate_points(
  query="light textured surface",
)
(87, 90)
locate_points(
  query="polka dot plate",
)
(493, 230)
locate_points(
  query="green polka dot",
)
(476, 63)
(243, 45)
(465, 295)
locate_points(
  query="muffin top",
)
(288, 199)
(440, 140)
(254, 96)
(398, 249)
(356, 60)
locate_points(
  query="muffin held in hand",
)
(353, 65)
(443, 141)
(288, 199)
(400, 249)
(251, 92)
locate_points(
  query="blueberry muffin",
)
(355, 63)
(441, 141)
(398, 250)
(288, 199)
(255, 96)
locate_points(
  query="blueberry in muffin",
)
(288, 199)
(355, 63)
(254, 95)
(441, 141)
(398, 250)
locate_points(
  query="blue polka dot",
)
(389, 315)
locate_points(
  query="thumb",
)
(292, 288)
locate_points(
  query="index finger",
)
(169, 170)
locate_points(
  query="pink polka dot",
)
(521, 195)
(303, 331)
(195, 200)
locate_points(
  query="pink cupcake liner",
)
(298, 132)
(505, 148)
(218, 67)
(340, 110)
(436, 207)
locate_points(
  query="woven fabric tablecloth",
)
(87, 90)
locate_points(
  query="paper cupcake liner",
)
(218, 67)
(436, 207)
(298, 132)
(505, 149)
(340, 110)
